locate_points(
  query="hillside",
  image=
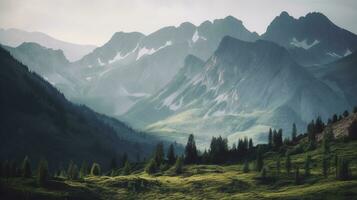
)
(38, 121)
(228, 181)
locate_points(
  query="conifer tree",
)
(171, 157)
(246, 167)
(114, 165)
(127, 168)
(191, 150)
(263, 173)
(84, 171)
(345, 113)
(294, 133)
(42, 173)
(352, 130)
(250, 145)
(270, 138)
(307, 165)
(343, 169)
(288, 164)
(355, 109)
(336, 165)
(159, 154)
(260, 161)
(6, 169)
(325, 166)
(297, 176)
(123, 159)
(151, 167)
(179, 165)
(95, 170)
(26, 168)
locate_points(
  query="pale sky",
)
(95, 21)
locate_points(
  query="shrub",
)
(179, 165)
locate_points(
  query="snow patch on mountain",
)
(124, 92)
(196, 37)
(348, 52)
(145, 51)
(100, 62)
(303, 44)
(333, 54)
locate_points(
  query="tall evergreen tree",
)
(288, 164)
(345, 113)
(127, 168)
(325, 166)
(246, 167)
(352, 130)
(171, 157)
(270, 138)
(95, 170)
(259, 161)
(307, 165)
(191, 150)
(42, 173)
(179, 165)
(159, 154)
(113, 164)
(26, 168)
(84, 171)
(297, 176)
(294, 132)
(343, 169)
(123, 159)
(250, 145)
(151, 167)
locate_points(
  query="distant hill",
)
(15, 37)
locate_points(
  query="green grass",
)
(203, 182)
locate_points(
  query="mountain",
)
(139, 65)
(15, 37)
(341, 76)
(312, 39)
(37, 120)
(51, 64)
(242, 89)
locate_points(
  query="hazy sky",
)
(95, 21)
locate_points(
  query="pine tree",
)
(327, 138)
(352, 130)
(26, 168)
(113, 164)
(260, 161)
(297, 176)
(270, 138)
(95, 170)
(334, 118)
(288, 164)
(179, 165)
(123, 159)
(159, 154)
(151, 167)
(127, 168)
(307, 165)
(294, 133)
(345, 113)
(250, 145)
(263, 173)
(84, 171)
(336, 165)
(325, 166)
(69, 170)
(246, 167)
(171, 157)
(191, 151)
(343, 169)
(73, 173)
(6, 169)
(42, 173)
(355, 109)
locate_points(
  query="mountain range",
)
(241, 90)
(214, 78)
(15, 37)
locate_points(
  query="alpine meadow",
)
(206, 99)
